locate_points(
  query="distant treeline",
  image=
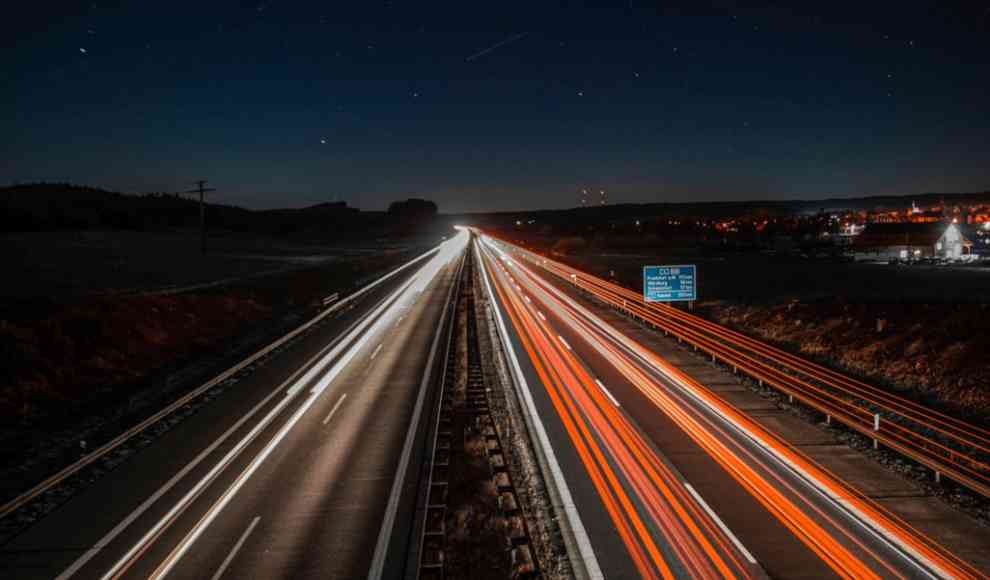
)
(579, 217)
(62, 206)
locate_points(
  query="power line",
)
(201, 189)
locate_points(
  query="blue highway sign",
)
(669, 283)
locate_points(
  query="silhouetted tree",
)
(413, 209)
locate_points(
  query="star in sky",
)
(291, 60)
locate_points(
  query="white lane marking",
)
(606, 391)
(127, 521)
(720, 523)
(571, 519)
(377, 350)
(335, 407)
(400, 319)
(540, 314)
(564, 341)
(236, 548)
(391, 509)
(528, 300)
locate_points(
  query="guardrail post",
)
(828, 419)
(938, 477)
(790, 398)
(876, 427)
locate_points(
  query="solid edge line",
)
(576, 539)
(721, 524)
(235, 549)
(385, 534)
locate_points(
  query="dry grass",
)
(937, 352)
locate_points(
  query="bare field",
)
(56, 265)
(758, 278)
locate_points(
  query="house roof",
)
(901, 234)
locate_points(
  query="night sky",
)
(498, 105)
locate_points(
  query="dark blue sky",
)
(289, 104)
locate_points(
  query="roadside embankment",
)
(936, 353)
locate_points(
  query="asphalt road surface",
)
(299, 471)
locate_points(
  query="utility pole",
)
(201, 189)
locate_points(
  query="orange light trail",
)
(699, 546)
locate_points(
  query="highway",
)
(309, 466)
(666, 478)
(305, 469)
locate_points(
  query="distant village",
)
(930, 232)
(937, 233)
